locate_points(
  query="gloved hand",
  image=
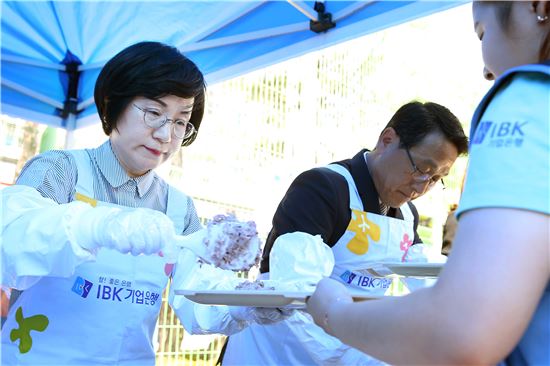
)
(133, 230)
(257, 315)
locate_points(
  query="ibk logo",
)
(503, 134)
(348, 276)
(481, 131)
(82, 287)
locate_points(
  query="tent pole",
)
(69, 137)
(246, 37)
(303, 8)
(69, 140)
(31, 93)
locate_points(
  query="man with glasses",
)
(414, 152)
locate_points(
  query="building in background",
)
(264, 128)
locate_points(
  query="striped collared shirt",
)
(54, 174)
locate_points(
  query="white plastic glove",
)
(135, 230)
(257, 315)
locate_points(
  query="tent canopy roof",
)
(47, 44)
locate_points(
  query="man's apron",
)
(104, 314)
(369, 238)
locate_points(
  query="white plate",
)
(260, 298)
(415, 269)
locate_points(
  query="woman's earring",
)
(542, 18)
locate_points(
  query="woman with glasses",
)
(491, 302)
(73, 216)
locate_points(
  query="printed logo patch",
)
(481, 131)
(119, 290)
(365, 282)
(82, 287)
(500, 135)
(36, 322)
(348, 276)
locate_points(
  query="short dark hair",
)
(151, 70)
(415, 120)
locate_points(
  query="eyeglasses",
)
(182, 129)
(421, 177)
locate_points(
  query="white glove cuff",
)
(73, 226)
(82, 223)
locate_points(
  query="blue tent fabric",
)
(40, 40)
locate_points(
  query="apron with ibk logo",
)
(370, 239)
(104, 314)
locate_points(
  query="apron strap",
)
(176, 205)
(354, 198)
(176, 208)
(407, 213)
(85, 180)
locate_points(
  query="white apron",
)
(104, 314)
(369, 239)
(297, 340)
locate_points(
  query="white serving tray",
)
(259, 298)
(414, 269)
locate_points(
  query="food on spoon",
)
(232, 244)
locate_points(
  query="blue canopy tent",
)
(52, 51)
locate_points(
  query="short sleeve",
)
(509, 154)
(53, 174)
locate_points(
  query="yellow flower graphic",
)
(363, 229)
(37, 322)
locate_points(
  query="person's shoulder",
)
(321, 172)
(533, 84)
(60, 159)
(525, 96)
(317, 183)
(53, 173)
(529, 79)
(57, 155)
(321, 176)
(541, 70)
